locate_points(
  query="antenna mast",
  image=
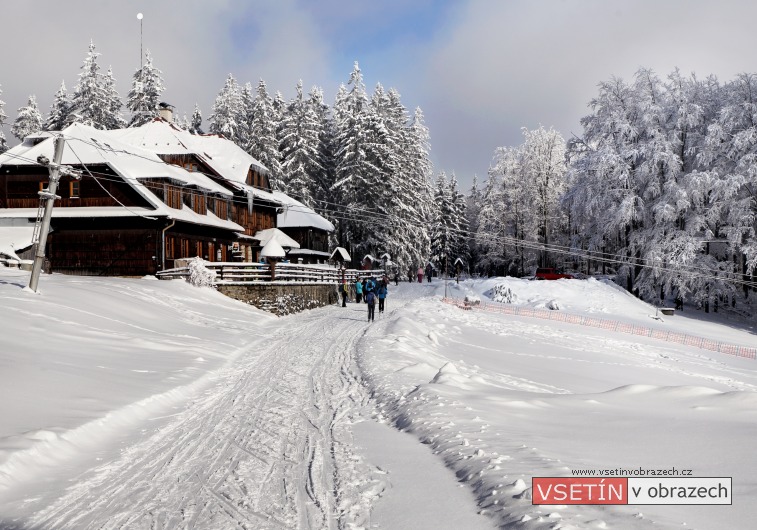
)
(141, 56)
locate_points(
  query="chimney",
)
(166, 111)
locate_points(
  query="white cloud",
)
(480, 69)
(501, 66)
(195, 43)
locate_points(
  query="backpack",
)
(370, 298)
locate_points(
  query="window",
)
(185, 248)
(173, 197)
(170, 247)
(73, 188)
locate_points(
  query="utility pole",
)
(47, 197)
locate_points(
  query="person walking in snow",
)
(370, 285)
(410, 274)
(381, 292)
(420, 274)
(358, 291)
(344, 289)
(370, 299)
(429, 272)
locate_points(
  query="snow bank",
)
(502, 399)
(89, 359)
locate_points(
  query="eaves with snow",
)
(223, 156)
(87, 146)
(294, 214)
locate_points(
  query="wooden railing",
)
(246, 272)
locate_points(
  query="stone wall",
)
(283, 299)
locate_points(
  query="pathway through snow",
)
(267, 446)
(266, 440)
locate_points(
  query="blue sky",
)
(480, 69)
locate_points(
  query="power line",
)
(106, 190)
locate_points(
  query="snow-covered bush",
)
(503, 294)
(199, 274)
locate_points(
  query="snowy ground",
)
(146, 404)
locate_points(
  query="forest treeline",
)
(659, 191)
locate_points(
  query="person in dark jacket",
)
(370, 299)
(429, 272)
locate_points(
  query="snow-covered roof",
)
(341, 253)
(224, 156)
(186, 214)
(295, 214)
(90, 146)
(272, 249)
(269, 234)
(257, 193)
(307, 252)
(15, 238)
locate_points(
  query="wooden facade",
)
(19, 186)
(314, 243)
(258, 214)
(131, 245)
(86, 239)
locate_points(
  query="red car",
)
(550, 274)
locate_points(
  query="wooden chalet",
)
(307, 228)
(253, 205)
(138, 208)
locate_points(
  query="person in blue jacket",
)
(370, 286)
(382, 291)
(359, 291)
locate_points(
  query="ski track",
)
(267, 446)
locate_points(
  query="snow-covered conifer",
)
(299, 147)
(29, 120)
(264, 144)
(361, 166)
(60, 110)
(144, 96)
(247, 96)
(442, 226)
(112, 117)
(89, 103)
(195, 124)
(225, 118)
